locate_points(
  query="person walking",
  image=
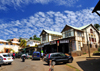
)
(13, 55)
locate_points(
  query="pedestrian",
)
(13, 55)
(42, 55)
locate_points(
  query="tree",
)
(30, 38)
(34, 36)
(23, 43)
(19, 39)
(8, 40)
(97, 26)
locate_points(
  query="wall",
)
(14, 47)
(31, 43)
(78, 39)
(88, 31)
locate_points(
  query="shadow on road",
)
(91, 65)
(5, 64)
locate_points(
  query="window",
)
(43, 37)
(91, 31)
(90, 38)
(79, 34)
(55, 37)
(79, 45)
(69, 33)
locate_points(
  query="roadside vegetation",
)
(73, 67)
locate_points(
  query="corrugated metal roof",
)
(80, 28)
(53, 32)
(3, 40)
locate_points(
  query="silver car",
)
(1, 60)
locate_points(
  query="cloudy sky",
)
(25, 18)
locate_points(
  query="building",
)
(47, 36)
(7, 47)
(72, 40)
(33, 42)
(25, 39)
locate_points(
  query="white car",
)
(1, 60)
(7, 58)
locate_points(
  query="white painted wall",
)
(50, 37)
(88, 31)
(31, 43)
(14, 47)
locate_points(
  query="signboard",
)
(52, 42)
(46, 43)
(57, 43)
(64, 41)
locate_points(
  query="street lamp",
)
(97, 7)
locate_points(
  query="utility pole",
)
(88, 44)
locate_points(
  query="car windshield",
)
(47, 55)
(6, 55)
(35, 54)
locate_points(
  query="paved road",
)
(35, 65)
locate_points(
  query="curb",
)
(73, 67)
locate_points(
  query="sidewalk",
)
(78, 60)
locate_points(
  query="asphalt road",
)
(35, 65)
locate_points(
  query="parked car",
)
(1, 60)
(58, 57)
(36, 55)
(7, 58)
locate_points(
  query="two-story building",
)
(7, 47)
(72, 40)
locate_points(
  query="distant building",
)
(6, 46)
(33, 42)
(25, 39)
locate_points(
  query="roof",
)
(53, 32)
(15, 42)
(79, 28)
(34, 40)
(3, 40)
(97, 7)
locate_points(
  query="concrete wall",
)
(88, 32)
(14, 47)
(31, 43)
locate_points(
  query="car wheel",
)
(9, 63)
(70, 60)
(53, 63)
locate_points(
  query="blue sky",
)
(25, 18)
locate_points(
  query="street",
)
(35, 65)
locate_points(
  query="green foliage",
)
(30, 38)
(99, 49)
(96, 52)
(23, 43)
(84, 53)
(97, 26)
(8, 40)
(36, 38)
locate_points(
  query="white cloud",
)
(20, 3)
(79, 6)
(54, 21)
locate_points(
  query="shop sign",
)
(57, 43)
(41, 46)
(64, 41)
(46, 43)
(52, 42)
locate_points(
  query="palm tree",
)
(23, 43)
